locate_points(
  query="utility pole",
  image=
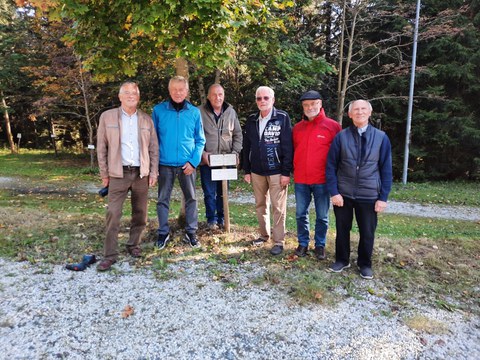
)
(410, 96)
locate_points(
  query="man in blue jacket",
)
(359, 179)
(267, 161)
(181, 140)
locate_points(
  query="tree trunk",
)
(343, 79)
(218, 75)
(340, 96)
(8, 127)
(201, 90)
(87, 115)
(53, 137)
(181, 67)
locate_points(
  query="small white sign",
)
(19, 136)
(224, 174)
(223, 160)
(91, 147)
(53, 136)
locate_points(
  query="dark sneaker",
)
(301, 251)
(366, 272)
(162, 241)
(105, 265)
(276, 250)
(337, 267)
(89, 259)
(191, 239)
(320, 252)
(259, 242)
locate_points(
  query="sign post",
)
(19, 137)
(219, 164)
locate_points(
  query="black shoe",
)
(276, 250)
(259, 242)
(337, 267)
(301, 251)
(366, 272)
(320, 252)
(191, 239)
(162, 241)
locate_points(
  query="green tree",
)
(14, 85)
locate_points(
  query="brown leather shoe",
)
(135, 252)
(105, 265)
(320, 253)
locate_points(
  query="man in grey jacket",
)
(223, 135)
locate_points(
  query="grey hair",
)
(214, 86)
(129, 83)
(353, 101)
(178, 78)
(269, 89)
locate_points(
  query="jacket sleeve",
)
(237, 136)
(199, 141)
(332, 166)
(385, 168)
(246, 150)
(153, 152)
(102, 148)
(286, 145)
(155, 120)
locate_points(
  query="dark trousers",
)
(366, 218)
(117, 193)
(166, 178)
(212, 194)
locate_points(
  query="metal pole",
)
(410, 96)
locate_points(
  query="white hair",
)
(129, 83)
(353, 101)
(269, 89)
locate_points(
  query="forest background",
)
(61, 62)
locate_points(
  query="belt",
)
(131, 168)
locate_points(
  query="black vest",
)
(358, 174)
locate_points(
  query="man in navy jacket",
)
(267, 162)
(359, 179)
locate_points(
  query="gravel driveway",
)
(48, 312)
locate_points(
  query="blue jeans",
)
(321, 199)
(212, 193)
(166, 178)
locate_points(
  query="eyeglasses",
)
(265, 98)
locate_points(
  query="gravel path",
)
(396, 207)
(47, 312)
(432, 211)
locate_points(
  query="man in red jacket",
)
(312, 137)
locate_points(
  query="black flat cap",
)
(311, 95)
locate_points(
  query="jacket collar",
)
(186, 105)
(209, 106)
(274, 114)
(320, 117)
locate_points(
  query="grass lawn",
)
(46, 216)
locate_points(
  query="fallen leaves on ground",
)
(127, 311)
